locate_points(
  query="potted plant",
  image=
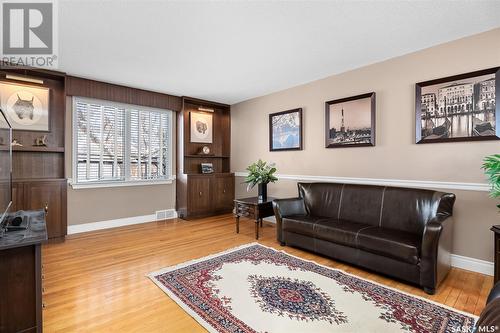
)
(260, 173)
(491, 167)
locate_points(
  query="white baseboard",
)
(86, 227)
(472, 264)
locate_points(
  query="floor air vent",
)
(164, 214)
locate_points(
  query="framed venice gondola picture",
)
(350, 121)
(463, 107)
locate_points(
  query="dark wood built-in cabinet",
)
(201, 194)
(38, 173)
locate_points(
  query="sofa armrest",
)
(287, 207)
(494, 293)
(490, 316)
(436, 251)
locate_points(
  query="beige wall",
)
(102, 204)
(395, 156)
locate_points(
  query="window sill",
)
(76, 186)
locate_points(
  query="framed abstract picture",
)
(350, 121)
(458, 108)
(285, 130)
(201, 124)
(26, 107)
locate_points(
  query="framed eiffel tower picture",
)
(350, 121)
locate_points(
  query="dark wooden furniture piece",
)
(496, 231)
(200, 194)
(21, 278)
(254, 209)
(38, 173)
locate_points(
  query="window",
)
(120, 143)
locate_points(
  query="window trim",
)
(120, 183)
(168, 179)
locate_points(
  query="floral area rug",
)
(254, 288)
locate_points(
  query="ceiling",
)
(232, 51)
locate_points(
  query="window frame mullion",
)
(139, 138)
(128, 147)
(160, 162)
(87, 171)
(149, 147)
(115, 145)
(101, 145)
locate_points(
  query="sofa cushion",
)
(361, 204)
(339, 231)
(300, 224)
(408, 209)
(397, 244)
(321, 199)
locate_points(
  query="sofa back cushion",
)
(361, 203)
(321, 199)
(408, 209)
(398, 208)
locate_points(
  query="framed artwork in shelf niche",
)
(207, 168)
(26, 107)
(201, 127)
(462, 107)
(285, 130)
(350, 121)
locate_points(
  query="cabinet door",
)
(17, 197)
(199, 194)
(223, 192)
(53, 195)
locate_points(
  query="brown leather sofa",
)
(402, 232)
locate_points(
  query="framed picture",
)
(458, 108)
(207, 168)
(26, 107)
(285, 130)
(201, 127)
(350, 121)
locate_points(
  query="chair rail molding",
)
(481, 187)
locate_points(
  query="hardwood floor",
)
(96, 282)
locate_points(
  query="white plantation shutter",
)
(116, 142)
(149, 144)
(99, 142)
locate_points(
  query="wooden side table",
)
(496, 230)
(253, 209)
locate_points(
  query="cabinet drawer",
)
(245, 210)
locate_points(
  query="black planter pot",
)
(262, 192)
